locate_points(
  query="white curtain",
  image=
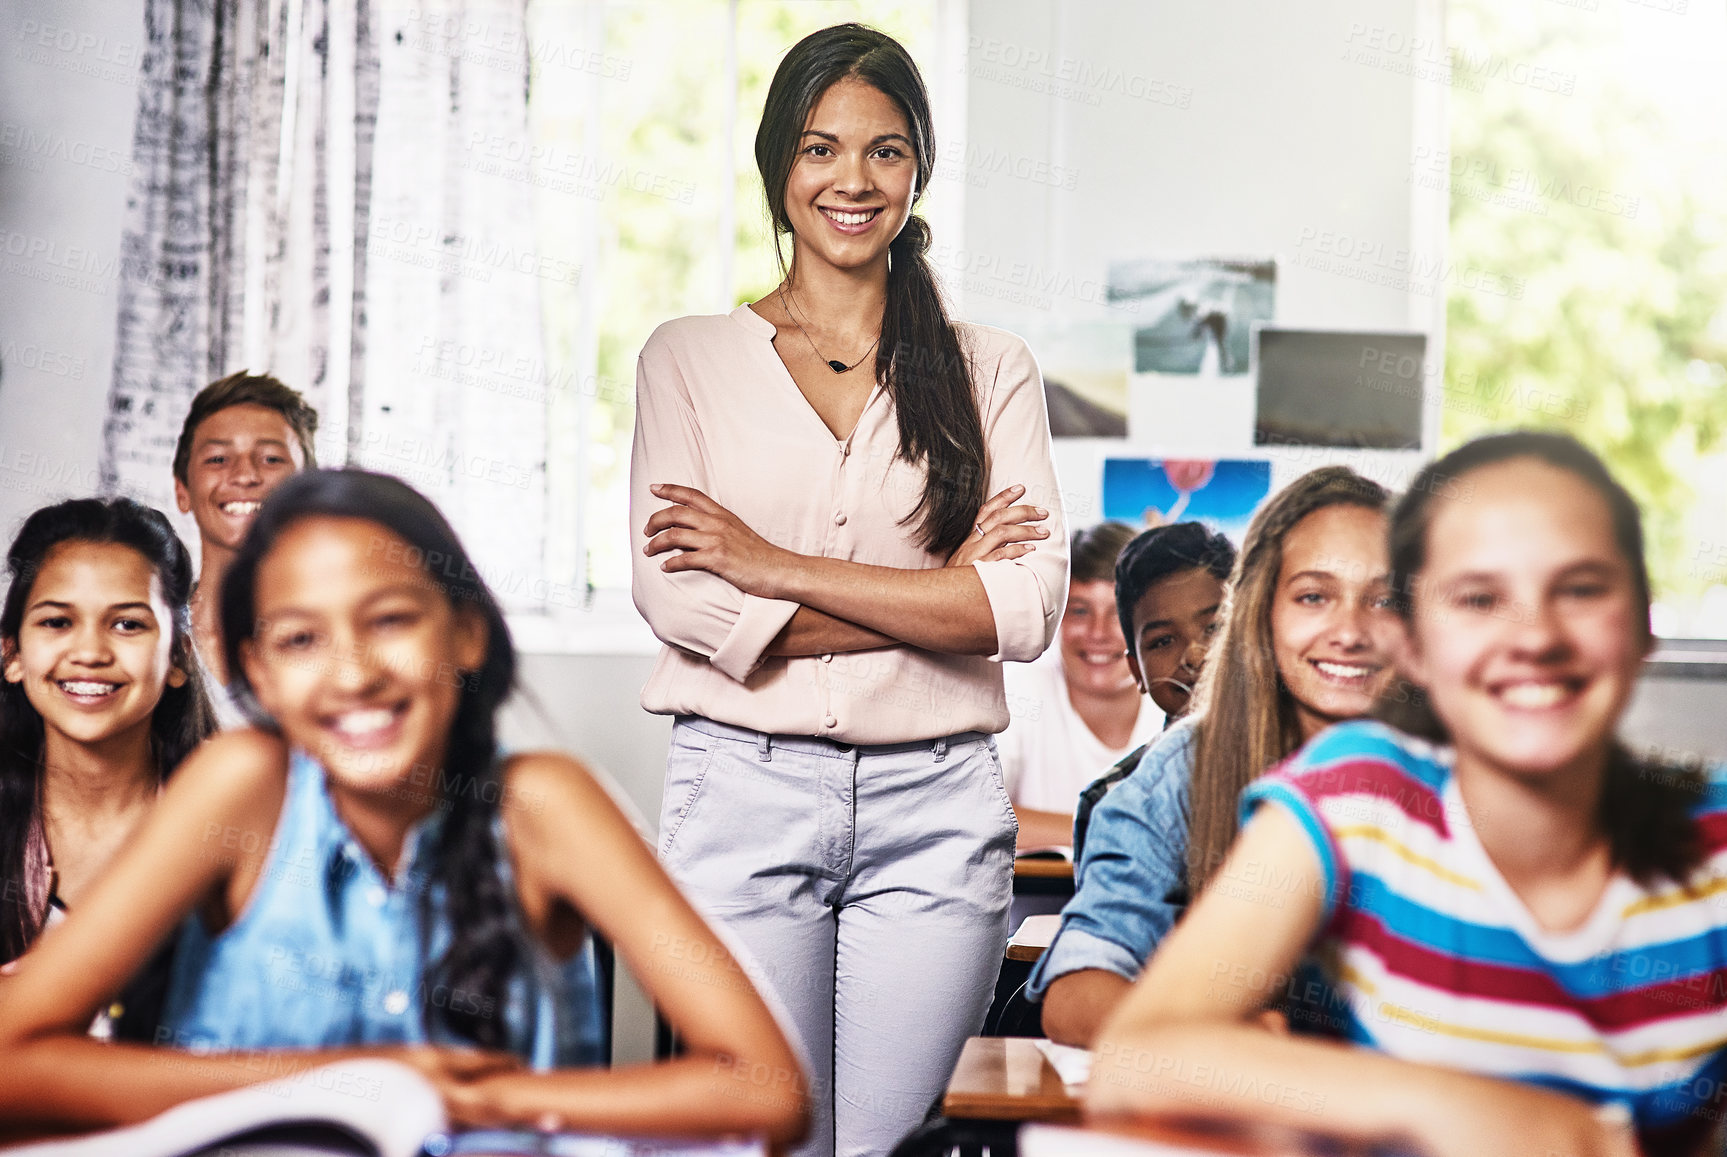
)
(454, 401)
(305, 204)
(238, 246)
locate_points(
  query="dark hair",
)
(247, 389)
(179, 721)
(483, 951)
(1163, 551)
(1646, 804)
(918, 358)
(1092, 551)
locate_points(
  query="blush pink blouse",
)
(716, 409)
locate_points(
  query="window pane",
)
(641, 169)
(1588, 170)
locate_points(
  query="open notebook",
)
(376, 1108)
(350, 1109)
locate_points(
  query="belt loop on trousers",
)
(940, 748)
(762, 752)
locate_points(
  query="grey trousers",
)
(871, 887)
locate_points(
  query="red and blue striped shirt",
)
(1427, 954)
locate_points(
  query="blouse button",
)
(827, 658)
(375, 896)
(396, 1003)
(830, 721)
(840, 519)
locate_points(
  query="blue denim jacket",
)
(1130, 885)
(328, 953)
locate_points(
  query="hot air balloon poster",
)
(1222, 493)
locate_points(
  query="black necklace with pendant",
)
(834, 364)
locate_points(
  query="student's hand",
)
(1007, 531)
(450, 1069)
(713, 539)
(475, 1104)
(504, 1101)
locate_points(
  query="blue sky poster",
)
(1221, 493)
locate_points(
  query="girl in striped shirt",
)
(1512, 930)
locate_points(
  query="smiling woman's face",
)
(851, 188)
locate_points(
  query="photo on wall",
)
(1084, 368)
(1353, 390)
(1198, 313)
(1222, 493)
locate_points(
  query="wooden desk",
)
(1033, 937)
(1027, 868)
(1005, 1078)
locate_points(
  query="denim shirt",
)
(329, 953)
(1131, 882)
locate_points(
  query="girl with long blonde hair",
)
(1265, 692)
(1305, 643)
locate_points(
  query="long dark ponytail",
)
(1646, 803)
(918, 360)
(180, 720)
(483, 951)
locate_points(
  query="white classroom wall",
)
(1235, 128)
(67, 98)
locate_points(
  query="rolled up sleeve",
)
(1131, 878)
(692, 610)
(758, 621)
(1075, 950)
(1028, 594)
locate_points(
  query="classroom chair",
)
(956, 1137)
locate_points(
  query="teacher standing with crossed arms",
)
(835, 593)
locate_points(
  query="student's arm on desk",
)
(1127, 879)
(1077, 1005)
(1179, 1019)
(196, 851)
(739, 1074)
